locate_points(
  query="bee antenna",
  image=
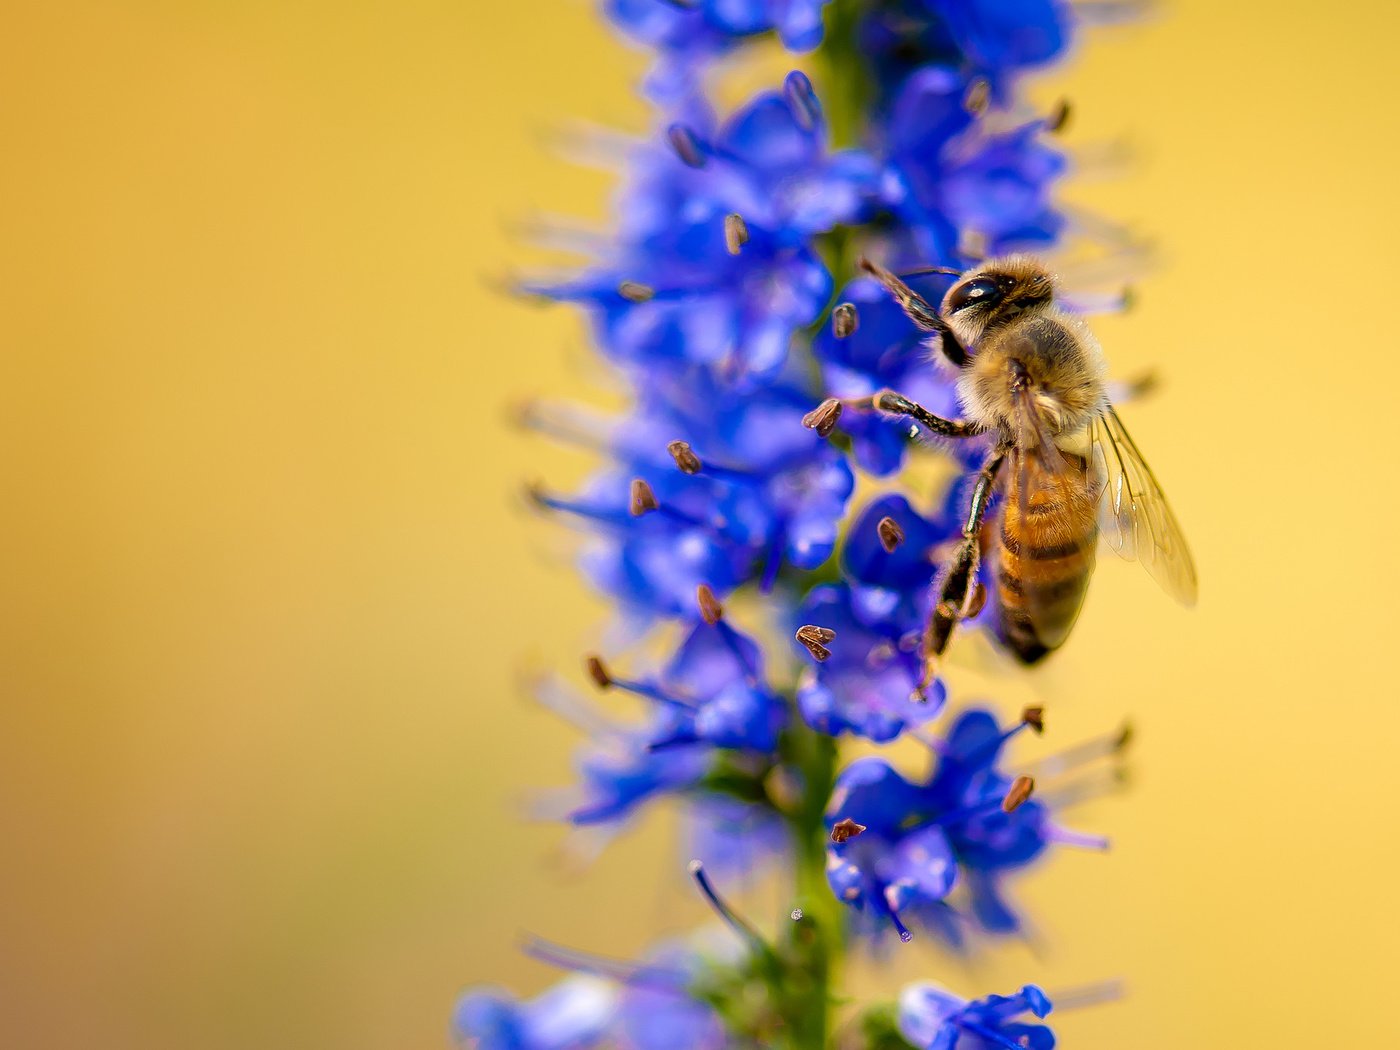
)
(947, 271)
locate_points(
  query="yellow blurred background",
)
(264, 767)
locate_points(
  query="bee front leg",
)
(960, 597)
(824, 417)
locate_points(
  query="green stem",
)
(815, 943)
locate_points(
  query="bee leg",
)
(960, 596)
(898, 405)
(919, 311)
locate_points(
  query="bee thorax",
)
(1048, 362)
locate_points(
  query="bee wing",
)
(1056, 490)
(1134, 517)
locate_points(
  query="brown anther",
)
(978, 97)
(814, 639)
(1124, 738)
(891, 534)
(1035, 718)
(845, 829)
(976, 599)
(642, 500)
(534, 492)
(1059, 117)
(686, 459)
(711, 611)
(736, 233)
(823, 418)
(598, 672)
(844, 320)
(1021, 789)
(635, 291)
(687, 148)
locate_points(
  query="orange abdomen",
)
(1041, 563)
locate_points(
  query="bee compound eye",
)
(977, 292)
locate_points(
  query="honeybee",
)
(1064, 470)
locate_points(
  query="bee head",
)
(994, 293)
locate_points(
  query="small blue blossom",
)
(658, 1010)
(767, 494)
(922, 834)
(711, 698)
(703, 25)
(947, 175)
(867, 685)
(573, 1015)
(992, 40)
(886, 868)
(885, 351)
(932, 1018)
(704, 302)
(890, 589)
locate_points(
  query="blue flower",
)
(932, 1018)
(621, 772)
(948, 175)
(705, 25)
(573, 1015)
(731, 836)
(991, 40)
(884, 868)
(659, 1010)
(763, 493)
(885, 351)
(711, 698)
(953, 822)
(866, 685)
(890, 589)
(684, 282)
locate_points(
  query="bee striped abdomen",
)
(1042, 559)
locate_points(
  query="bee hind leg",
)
(960, 595)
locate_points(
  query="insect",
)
(1031, 376)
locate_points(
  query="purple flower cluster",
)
(720, 519)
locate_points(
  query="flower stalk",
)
(745, 298)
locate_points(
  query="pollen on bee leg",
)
(642, 500)
(844, 320)
(976, 600)
(685, 457)
(711, 611)
(736, 233)
(891, 534)
(598, 672)
(635, 291)
(1020, 792)
(824, 417)
(814, 639)
(846, 829)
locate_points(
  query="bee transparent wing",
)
(1135, 519)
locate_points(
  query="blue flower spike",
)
(749, 491)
